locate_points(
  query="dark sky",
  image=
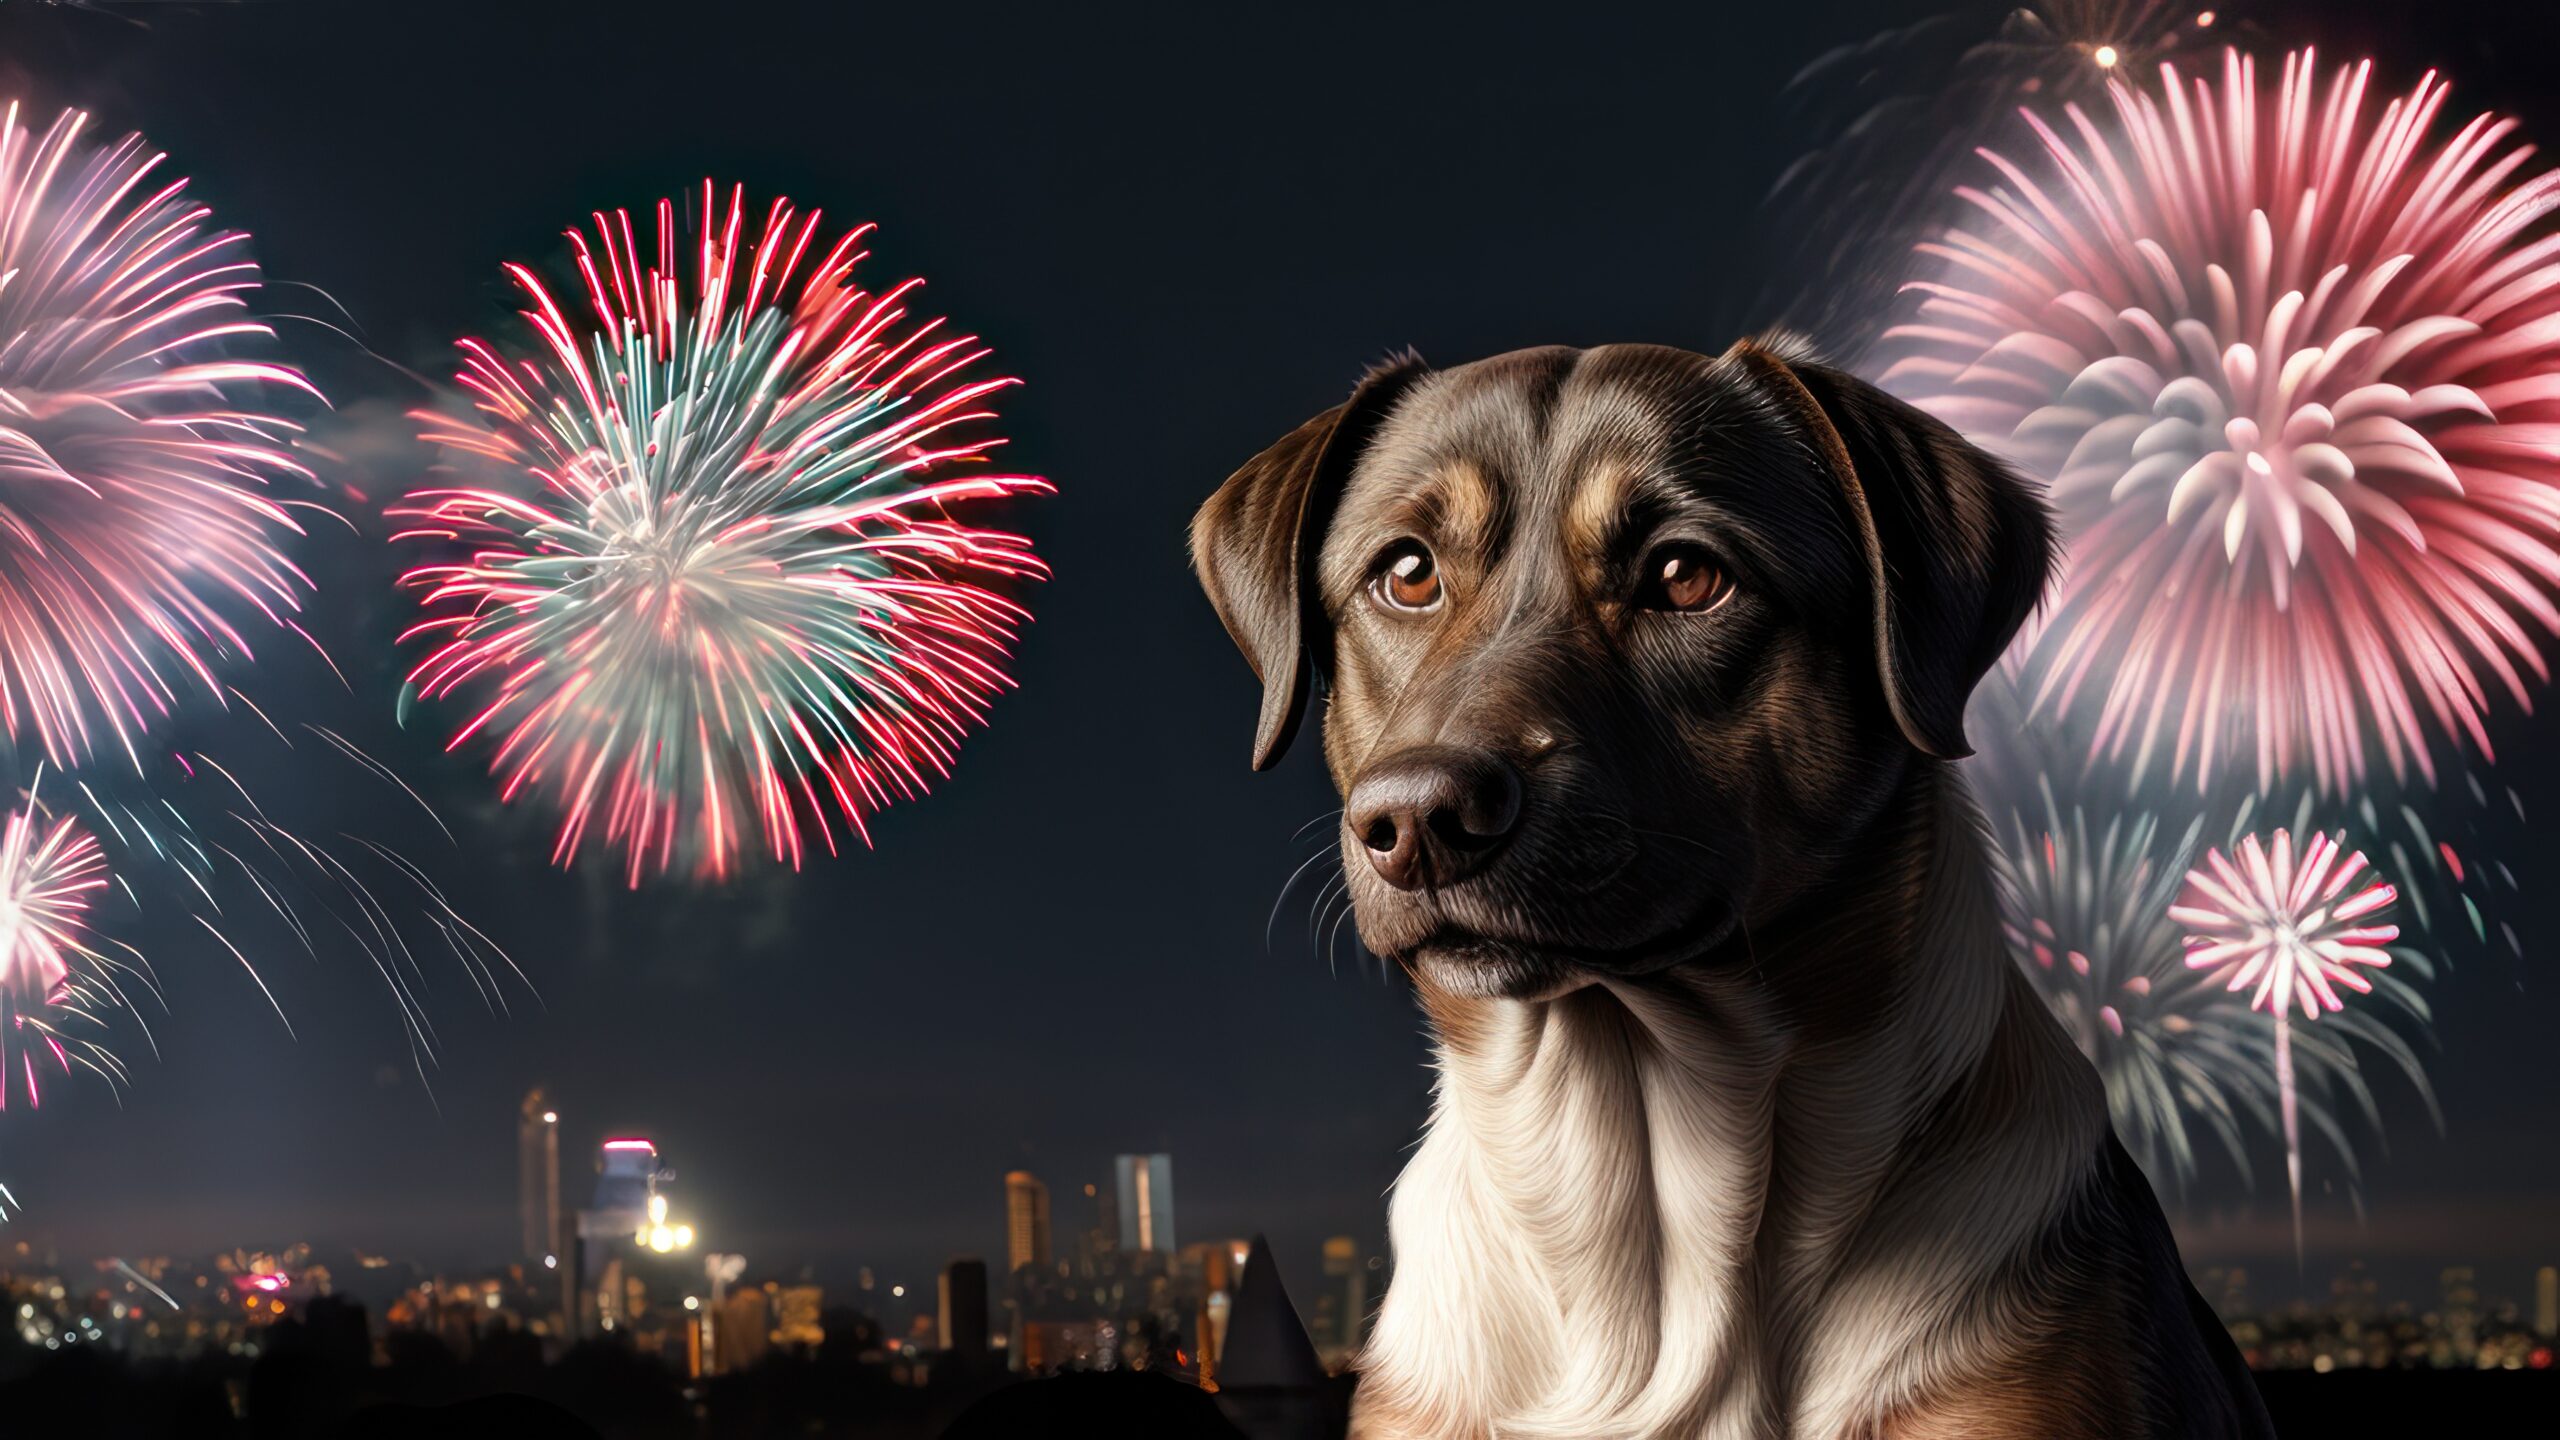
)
(1187, 234)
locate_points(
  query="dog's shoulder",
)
(2127, 1350)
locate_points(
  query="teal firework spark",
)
(713, 593)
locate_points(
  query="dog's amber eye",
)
(1407, 578)
(1682, 577)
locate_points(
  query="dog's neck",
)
(1665, 1206)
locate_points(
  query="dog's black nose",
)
(1431, 816)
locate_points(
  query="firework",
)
(2085, 909)
(53, 978)
(2285, 927)
(2086, 916)
(2290, 372)
(714, 587)
(1896, 119)
(252, 872)
(2282, 926)
(136, 447)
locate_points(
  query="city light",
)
(660, 1236)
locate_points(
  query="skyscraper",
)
(1146, 1203)
(538, 1176)
(1026, 1221)
(2546, 1302)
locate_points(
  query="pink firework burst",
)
(2295, 927)
(714, 587)
(51, 979)
(2285, 923)
(2291, 365)
(135, 447)
(49, 870)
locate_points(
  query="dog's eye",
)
(1682, 577)
(1407, 578)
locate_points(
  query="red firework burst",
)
(2293, 374)
(713, 586)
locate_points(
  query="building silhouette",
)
(1026, 1221)
(1146, 1204)
(743, 1331)
(1270, 1383)
(964, 1308)
(538, 1178)
(1342, 1306)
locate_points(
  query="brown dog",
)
(1644, 671)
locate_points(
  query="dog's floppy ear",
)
(1255, 546)
(1958, 547)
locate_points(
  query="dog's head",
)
(1622, 646)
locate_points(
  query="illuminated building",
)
(1212, 1268)
(1342, 1307)
(538, 1177)
(626, 1175)
(1026, 1221)
(1146, 1203)
(2546, 1302)
(796, 1312)
(629, 1223)
(963, 1309)
(743, 1329)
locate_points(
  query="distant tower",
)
(538, 1177)
(2546, 1302)
(964, 1308)
(1026, 1221)
(1342, 1307)
(1146, 1203)
(626, 1173)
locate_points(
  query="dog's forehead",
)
(1551, 414)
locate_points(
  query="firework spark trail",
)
(2293, 374)
(188, 840)
(2286, 925)
(136, 448)
(714, 587)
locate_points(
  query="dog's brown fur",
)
(1745, 1127)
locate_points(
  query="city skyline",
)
(1024, 974)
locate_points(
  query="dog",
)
(1644, 676)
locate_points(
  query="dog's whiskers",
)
(1273, 920)
(1310, 825)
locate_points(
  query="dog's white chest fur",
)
(1642, 1212)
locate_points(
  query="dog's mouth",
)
(1469, 961)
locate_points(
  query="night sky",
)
(1186, 234)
